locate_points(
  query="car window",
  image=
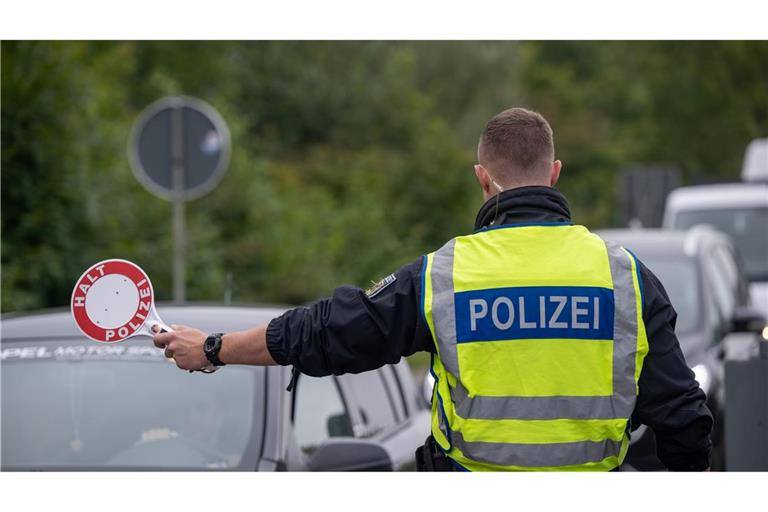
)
(680, 279)
(723, 291)
(730, 273)
(93, 406)
(736, 280)
(319, 412)
(746, 226)
(395, 382)
(375, 400)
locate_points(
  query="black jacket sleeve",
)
(353, 330)
(670, 400)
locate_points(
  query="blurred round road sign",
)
(179, 148)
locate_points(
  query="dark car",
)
(69, 403)
(703, 276)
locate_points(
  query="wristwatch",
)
(212, 346)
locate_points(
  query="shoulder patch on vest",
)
(377, 287)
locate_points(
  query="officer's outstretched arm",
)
(185, 345)
(354, 330)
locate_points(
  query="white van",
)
(737, 209)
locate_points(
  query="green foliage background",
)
(349, 158)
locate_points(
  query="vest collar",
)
(525, 204)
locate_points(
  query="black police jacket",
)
(354, 331)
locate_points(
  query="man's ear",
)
(554, 175)
(484, 179)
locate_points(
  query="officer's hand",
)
(183, 344)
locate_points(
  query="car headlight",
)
(703, 376)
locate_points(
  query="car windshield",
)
(122, 406)
(747, 228)
(680, 280)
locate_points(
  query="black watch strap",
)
(212, 347)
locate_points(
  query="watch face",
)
(210, 343)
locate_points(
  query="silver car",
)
(73, 404)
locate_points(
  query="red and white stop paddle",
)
(113, 300)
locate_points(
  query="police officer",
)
(549, 345)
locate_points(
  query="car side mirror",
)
(349, 454)
(747, 319)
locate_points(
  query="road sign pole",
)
(179, 228)
(179, 260)
(179, 149)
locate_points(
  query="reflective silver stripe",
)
(533, 407)
(624, 330)
(437, 403)
(441, 276)
(443, 302)
(537, 455)
(441, 419)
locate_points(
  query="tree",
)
(349, 158)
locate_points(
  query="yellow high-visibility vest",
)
(540, 342)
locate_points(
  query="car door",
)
(725, 282)
(385, 413)
(319, 412)
(329, 407)
(376, 405)
(371, 406)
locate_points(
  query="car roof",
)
(59, 323)
(664, 242)
(723, 195)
